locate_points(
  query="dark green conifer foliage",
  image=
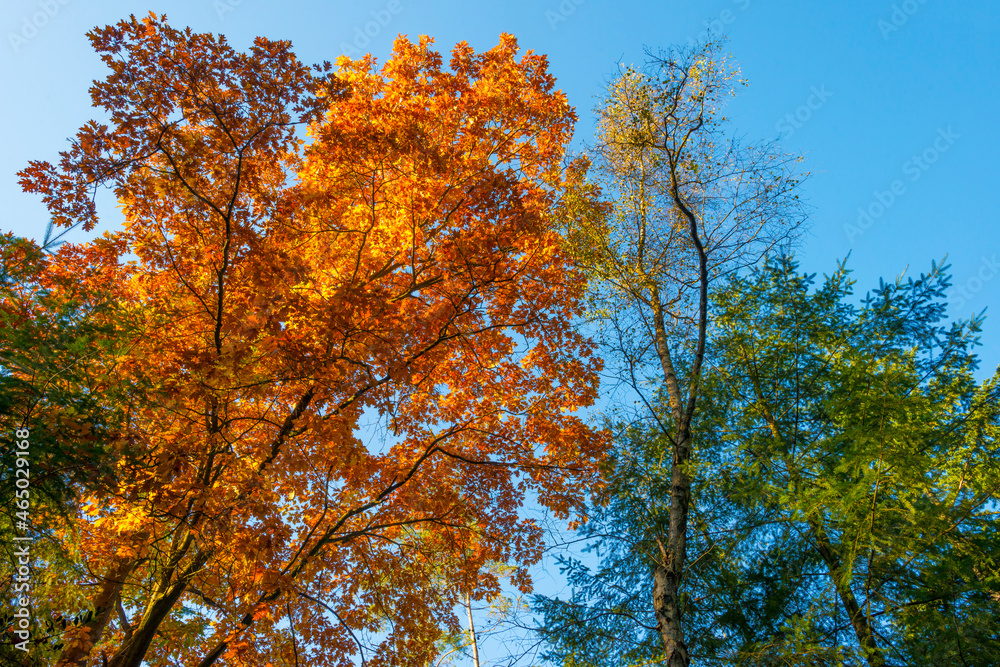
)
(845, 490)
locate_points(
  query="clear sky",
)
(892, 102)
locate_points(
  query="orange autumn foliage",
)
(358, 340)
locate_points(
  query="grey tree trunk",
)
(668, 574)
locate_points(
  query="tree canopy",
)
(301, 406)
(844, 494)
(352, 316)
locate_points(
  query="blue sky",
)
(892, 102)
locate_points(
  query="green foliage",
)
(866, 424)
(56, 340)
(58, 343)
(861, 428)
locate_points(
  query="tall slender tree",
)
(686, 206)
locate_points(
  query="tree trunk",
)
(132, 653)
(858, 618)
(472, 631)
(668, 573)
(104, 605)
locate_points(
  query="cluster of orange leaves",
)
(355, 326)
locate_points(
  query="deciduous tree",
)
(359, 343)
(687, 206)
